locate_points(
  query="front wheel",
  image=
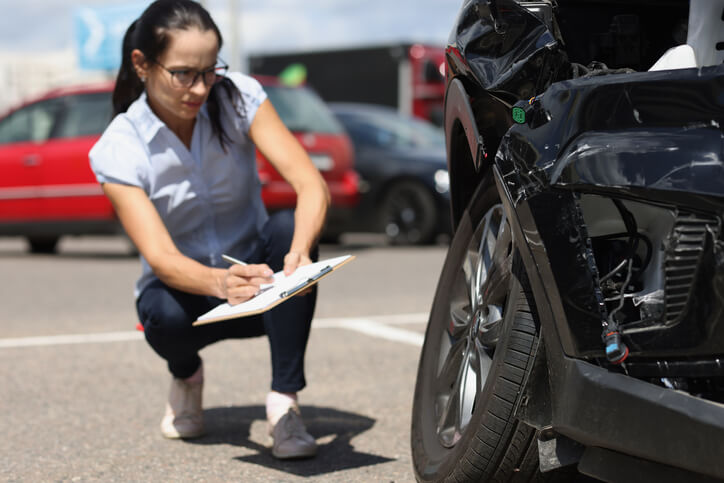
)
(479, 347)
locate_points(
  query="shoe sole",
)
(182, 436)
(294, 456)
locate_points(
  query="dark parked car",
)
(577, 330)
(403, 174)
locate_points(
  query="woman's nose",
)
(199, 87)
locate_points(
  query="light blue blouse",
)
(209, 199)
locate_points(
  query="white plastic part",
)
(679, 57)
(706, 30)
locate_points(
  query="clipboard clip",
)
(310, 280)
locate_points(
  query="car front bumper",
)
(605, 410)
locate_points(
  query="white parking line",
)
(374, 326)
(70, 339)
(396, 319)
(382, 331)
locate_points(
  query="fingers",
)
(243, 281)
(293, 260)
(252, 271)
(241, 294)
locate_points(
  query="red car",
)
(48, 190)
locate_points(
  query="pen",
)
(233, 260)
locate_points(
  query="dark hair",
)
(149, 34)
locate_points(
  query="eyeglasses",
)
(187, 77)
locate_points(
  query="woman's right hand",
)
(242, 282)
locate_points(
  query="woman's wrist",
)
(297, 251)
(218, 275)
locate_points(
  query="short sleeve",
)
(119, 156)
(252, 96)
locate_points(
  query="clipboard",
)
(277, 292)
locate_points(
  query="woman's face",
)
(193, 50)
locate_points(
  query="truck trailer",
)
(407, 76)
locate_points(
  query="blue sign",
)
(99, 34)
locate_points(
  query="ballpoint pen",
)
(262, 288)
(233, 260)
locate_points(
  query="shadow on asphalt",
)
(231, 425)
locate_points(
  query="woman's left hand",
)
(292, 260)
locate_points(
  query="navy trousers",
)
(167, 315)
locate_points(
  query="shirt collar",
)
(147, 122)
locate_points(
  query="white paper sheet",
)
(271, 294)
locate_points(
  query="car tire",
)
(408, 214)
(43, 244)
(479, 348)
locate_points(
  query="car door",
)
(71, 190)
(22, 137)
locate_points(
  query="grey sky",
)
(266, 25)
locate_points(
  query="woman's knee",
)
(162, 315)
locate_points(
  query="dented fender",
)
(643, 134)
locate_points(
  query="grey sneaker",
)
(291, 439)
(184, 414)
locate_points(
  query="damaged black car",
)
(577, 330)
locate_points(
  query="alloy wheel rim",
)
(477, 301)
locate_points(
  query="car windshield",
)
(31, 123)
(85, 115)
(390, 130)
(301, 110)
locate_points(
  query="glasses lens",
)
(210, 77)
(184, 78)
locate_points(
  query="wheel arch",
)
(474, 124)
(472, 143)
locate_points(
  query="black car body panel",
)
(590, 162)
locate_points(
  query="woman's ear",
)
(140, 64)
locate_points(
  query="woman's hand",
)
(292, 260)
(242, 282)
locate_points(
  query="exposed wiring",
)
(641, 237)
(616, 350)
(614, 271)
(622, 298)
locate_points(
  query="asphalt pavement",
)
(82, 393)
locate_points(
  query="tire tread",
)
(500, 447)
(508, 454)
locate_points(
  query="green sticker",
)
(518, 115)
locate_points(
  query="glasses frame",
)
(220, 65)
